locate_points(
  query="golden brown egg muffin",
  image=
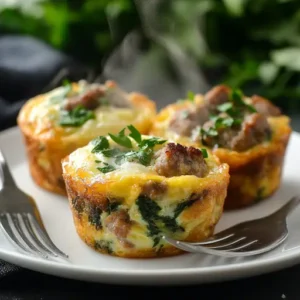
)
(125, 191)
(250, 134)
(58, 122)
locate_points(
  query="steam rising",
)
(167, 70)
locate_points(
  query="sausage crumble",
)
(177, 160)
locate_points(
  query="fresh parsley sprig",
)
(107, 168)
(76, 117)
(100, 143)
(190, 96)
(135, 134)
(143, 154)
(234, 114)
(121, 139)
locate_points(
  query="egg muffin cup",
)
(255, 173)
(125, 210)
(58, 122)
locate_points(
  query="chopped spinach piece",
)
(78, 204)
(100, 143)
(112, 206)
(149, 210)
(76, 117)
(105, 246)
(183, 205)
(159, 249)
(269, 136)
(95, 217)
(259, 194)
(156, 241)
(170, 223)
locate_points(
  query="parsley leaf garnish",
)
(143, 154)
(204, 153)
(190, 96)
(111, 152)
(121, 139)
(76, 117)
(135, 134)
(107, 168)
(100, 143)
(150, 143)
(236, 98)
(233, 114)
(66, 82)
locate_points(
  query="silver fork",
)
(245, 239)
(20, 219)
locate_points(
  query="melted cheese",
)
(84, 159)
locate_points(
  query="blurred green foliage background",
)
(250, 44)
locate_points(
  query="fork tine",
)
(16, 222)
(241, 247)
(215, 239)
(43, 235)
(7, 178)
(34, 237)
(180, 245)
(8, 231)
(225, 245)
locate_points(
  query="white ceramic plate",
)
(86, 264)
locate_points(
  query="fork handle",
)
(6, 176)
(289, 207)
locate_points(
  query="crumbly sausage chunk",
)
(154, 189)
(216, 96)
(92, 96)
(185, 121)
(254, 130)
(177, 160)
(264, 106)
(118, 223)
(88, 99)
